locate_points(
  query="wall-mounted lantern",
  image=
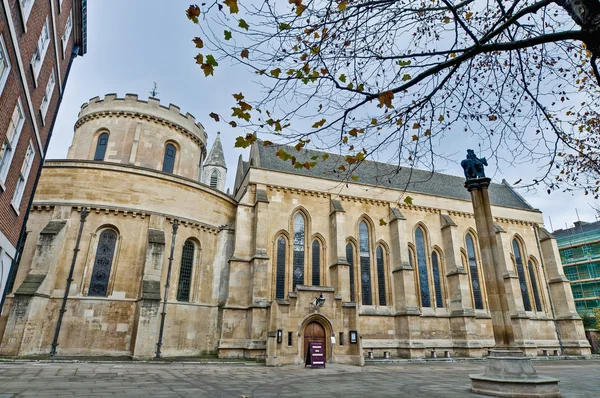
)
(318, 302)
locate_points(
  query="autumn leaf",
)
(342, 78)
(275, 72)
(385, 99)
(382, 222)
(406, 77)
(283, 155)
(193, 12)
(210, 60)
(441, 118)
(238, 97)
(207, 69)
(342, 6)
(325, 157)
(468, 15)
(447, 20)
(214, 116)
(415, 137)
(233, 124)
(244, 53)
(354, 178)
(416, 126)
(518, 181)
(243, 24)
(233, 6)
(198, 42)
(199, 59)
(408, 200)
(241, 142)
(374, 122)
(492, 118)
(284, 26)
(452, 55)
(318, 124)
(227, 35)
(427, 133)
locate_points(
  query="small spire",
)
(215, 156)
(154, 92)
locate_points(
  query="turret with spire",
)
(215, 170)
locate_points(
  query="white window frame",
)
(4, 58)
(23, 176)
(41, 49)
(7, 150)
(47, 95)
(25, 11)
(67, 34)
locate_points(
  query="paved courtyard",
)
(578, 378)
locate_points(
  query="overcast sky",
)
(133, 43)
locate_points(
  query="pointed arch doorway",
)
(314, 331)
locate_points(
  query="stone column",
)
(147, 311)
(490, 260)
(339, 271)
(408, 322)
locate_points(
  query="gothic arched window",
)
(280, 271)
(474, 272)
(534, 286)
(381, 275)
(422, 267)
(365, 263)
(298, 260)
(101, 145)
(103, 263)
(185, 271)
(316, 263)
(169, 160)
(437, 280)
(350, 259)
(214, 179)
(521, 274)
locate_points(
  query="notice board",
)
(316, 354)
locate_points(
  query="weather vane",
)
(154, 92)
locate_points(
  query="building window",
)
(26, 6)
(571, 273)
(422, 267)
(316, 263)
(437, 280)
(534, 285)
(365, 263)
(47, 96)
(103, 263)
(40, 51)
(474, 273)
(23, 175)
(185, 271)
(298, 260)
(381, 276)
(10, 141)
(280, 274)
(169, 160)
(521, 274)
(214, 179)
(101, 145)
(4, 64)
(65, 37)
(350, 259)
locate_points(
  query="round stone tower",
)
(141, 133)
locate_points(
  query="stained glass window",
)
(381, 276)
(316, 263)
(280, 274)
(474, 271)
(298, 260)
(521, 274)
(185, 272)
(437, 281)
(365, 263)
(350, 259)
(169, 160)
(422, 267)
(101, 146)
(103, 263)
(534, 285)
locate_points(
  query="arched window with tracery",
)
(169, 159)
(316, 263)
(350, 259)
(280, 270)
(298, 259)
(365, 263)
(422, 268)
(437, 280)
(214, 179)
(381, 275)
(105, 254)
(474, 273)
(101, 145)
(521, 274)
(185, 271)
(534, 286)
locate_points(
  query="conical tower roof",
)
(215, 156)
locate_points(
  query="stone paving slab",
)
(578, 378)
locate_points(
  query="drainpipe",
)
(164, 311)
(537, 240)
(62, 311)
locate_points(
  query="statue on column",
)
(473, 166)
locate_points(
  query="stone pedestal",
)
(509, 373)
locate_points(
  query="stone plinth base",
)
(508, 373)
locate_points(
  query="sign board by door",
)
(316, 355)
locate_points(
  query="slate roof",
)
(215, 156)
(576, 230)
(386, 175)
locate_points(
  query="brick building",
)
(38, 41)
